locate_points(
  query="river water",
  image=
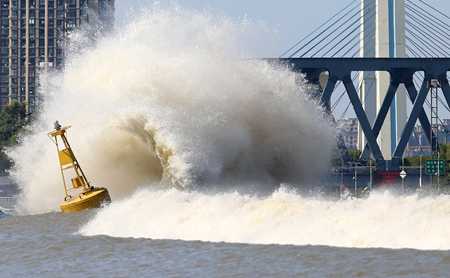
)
(197, 235)
(207, 158)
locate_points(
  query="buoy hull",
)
(93, 198)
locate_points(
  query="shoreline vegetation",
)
(13, 120)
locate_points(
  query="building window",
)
(71, 14)
(5, 23)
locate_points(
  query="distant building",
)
(418, 142)
(349, 130)
(32, 39)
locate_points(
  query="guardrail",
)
(365, 170)
(8, 202)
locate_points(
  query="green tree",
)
(336, 160)
(13, 119)
(354, 154)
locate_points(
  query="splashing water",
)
(285, 217)
(170, 101)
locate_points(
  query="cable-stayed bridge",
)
(381, 54)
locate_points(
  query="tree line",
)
(13, 120)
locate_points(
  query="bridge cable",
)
(440, 42)
(345, 37)
(410, 49)
(353, 39)
(419, 39)
(359, 26)
(422, 40)
(358, 12)
(323, 31)
(435, 9)
(435, 22)
(418, 47)
(361, 47)
(315, 30)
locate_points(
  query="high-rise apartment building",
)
(33, 37)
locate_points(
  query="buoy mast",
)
(68, 161)
(90, 197)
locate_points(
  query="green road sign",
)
(431, 166)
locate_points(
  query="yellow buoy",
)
(90, 197)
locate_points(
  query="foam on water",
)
(169, 100)
(285, 217)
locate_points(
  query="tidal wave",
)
(170, 100)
